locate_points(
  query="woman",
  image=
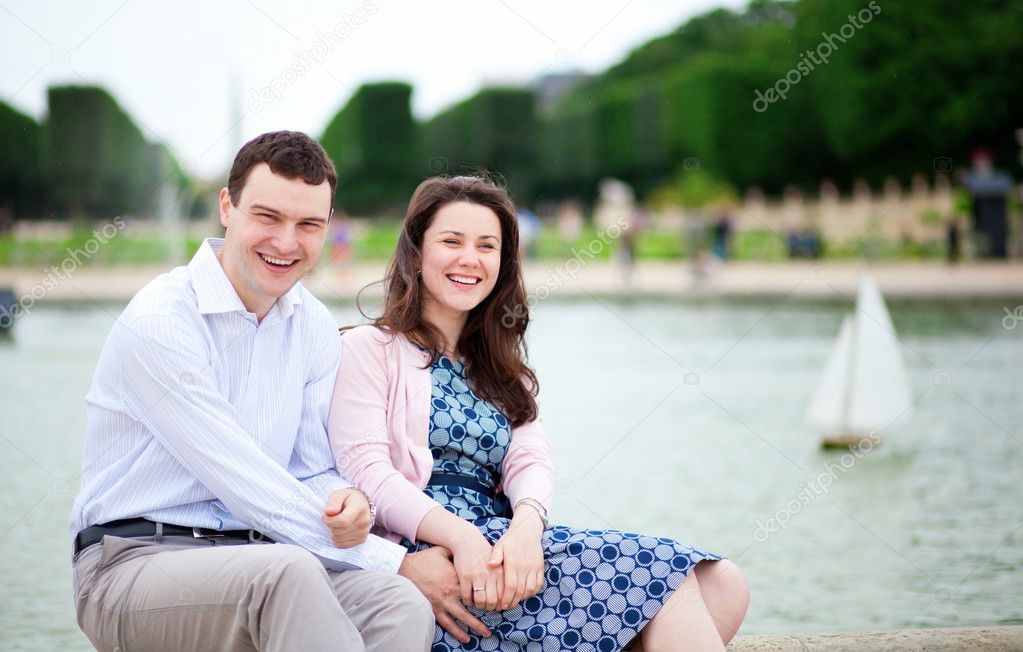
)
(434, 416)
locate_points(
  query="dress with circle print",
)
(601, 587)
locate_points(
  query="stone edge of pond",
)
(996, 638)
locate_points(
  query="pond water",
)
(681, 419)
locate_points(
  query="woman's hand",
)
(474, 558)
(521, 553)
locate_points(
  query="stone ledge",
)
(997, 638)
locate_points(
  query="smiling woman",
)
(434, 416)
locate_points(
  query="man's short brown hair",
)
(290, 154)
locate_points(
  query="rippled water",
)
(668, 418)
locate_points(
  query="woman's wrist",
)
(529, 507)
(466, 534)
(528, 522)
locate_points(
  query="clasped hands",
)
(498, 577)
(490, 577)
(508, 572)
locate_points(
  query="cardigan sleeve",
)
(361, 434)
(528, 471)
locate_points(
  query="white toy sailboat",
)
(864, 389)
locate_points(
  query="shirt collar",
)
(214, 292)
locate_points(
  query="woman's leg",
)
(683, 623)
(725, 594)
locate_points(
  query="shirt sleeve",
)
(311, 462)
(168, 383)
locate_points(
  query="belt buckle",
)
(198, 533)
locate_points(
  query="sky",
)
(204, 77)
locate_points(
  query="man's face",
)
(274, 235)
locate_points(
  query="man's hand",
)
(434, 575)
(347, 516)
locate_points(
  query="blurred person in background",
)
(989, 190)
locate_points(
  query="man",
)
(206, 444)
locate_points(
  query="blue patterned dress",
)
(600, 586)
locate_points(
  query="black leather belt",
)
(140, 527)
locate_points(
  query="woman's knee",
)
(725, 575)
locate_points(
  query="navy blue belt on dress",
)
(464, 481)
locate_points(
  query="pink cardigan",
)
(378, 423)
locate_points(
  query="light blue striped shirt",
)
(199, 415)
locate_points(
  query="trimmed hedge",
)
(495, 130)
(21, 182)
(95, 159)
(372, 141)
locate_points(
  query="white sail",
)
(828, 409)
(864, 388)
(880, 388)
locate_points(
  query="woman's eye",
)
(451, 242)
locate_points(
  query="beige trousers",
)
(200, 594)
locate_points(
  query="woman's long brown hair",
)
(493, 341)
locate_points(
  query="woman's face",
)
(461, 259)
